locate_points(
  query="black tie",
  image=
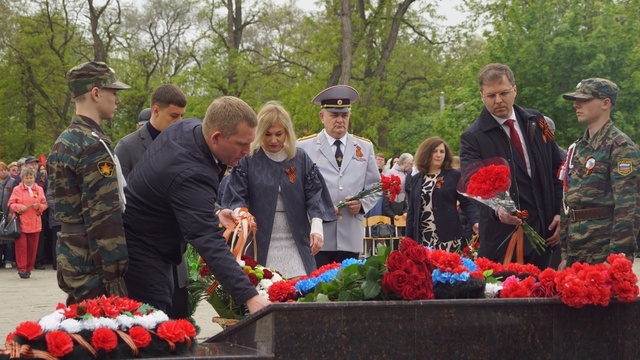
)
(337, 143)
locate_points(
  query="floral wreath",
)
(113, 327)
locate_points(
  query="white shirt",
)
(506, 128)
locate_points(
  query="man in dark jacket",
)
(171, 199)
(516, 134)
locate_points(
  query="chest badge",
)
(589, 165)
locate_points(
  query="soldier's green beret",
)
(84, 77)
(594, 88)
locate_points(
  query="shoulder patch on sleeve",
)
(361, 138)
(625, 167)
(106, 168)
(307, 137)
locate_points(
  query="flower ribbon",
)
(515, 244)
(239, 237)
(291, 171)
(546, 131)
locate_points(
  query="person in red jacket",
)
(29, 202)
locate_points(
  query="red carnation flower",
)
(140, 336)
(59, 343)
(322, 269)
(187, 327)
(489, 181)
(282, 291)
(103, 338)
(171, 331)
(29, 329)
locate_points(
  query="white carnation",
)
(276, 277)
(49, 323)
(125, 321)
(265, 284)
(263, 294)
(71, 326)
(90, 323)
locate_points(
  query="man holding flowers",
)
(348, 166)
(521, 137)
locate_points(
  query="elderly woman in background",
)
(28, 201)
(283, 189)
(400, 169)
(432, 217)
(7, 255)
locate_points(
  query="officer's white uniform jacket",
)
(358, 172)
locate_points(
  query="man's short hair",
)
(494, 72)
(168, 94)
(226, 113)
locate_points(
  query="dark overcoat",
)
(171, 196)
(540, 194)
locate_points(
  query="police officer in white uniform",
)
(347, 163)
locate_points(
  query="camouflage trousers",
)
(78, 275)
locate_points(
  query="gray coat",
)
(131, 147)
(358, 172)
(6, 187)
(254, 184)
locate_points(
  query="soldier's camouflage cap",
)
(594, 88)
(84, 77)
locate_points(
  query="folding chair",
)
(401, 225)
(375, 220)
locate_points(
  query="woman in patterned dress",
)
(432, 217)
(282, 187)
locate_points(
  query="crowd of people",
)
(123, 215)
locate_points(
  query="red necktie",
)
(515, 139)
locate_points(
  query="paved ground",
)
(33, 298)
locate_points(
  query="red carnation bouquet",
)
(488, 182)
(390, 186)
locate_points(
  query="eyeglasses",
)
(503, 94)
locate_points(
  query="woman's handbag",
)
(9, 227)
(382, 230)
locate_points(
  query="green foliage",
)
(356, 282)
(400, 62)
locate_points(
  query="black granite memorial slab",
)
(440, 329)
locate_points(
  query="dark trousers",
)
(53, 239)
(327, 257)
(179, 308)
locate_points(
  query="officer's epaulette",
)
(361, 138)
(307, 137)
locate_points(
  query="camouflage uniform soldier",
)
(600, 180)
(84, 178)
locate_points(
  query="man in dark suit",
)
(171, 200)
(516, 134)
(168, 104)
